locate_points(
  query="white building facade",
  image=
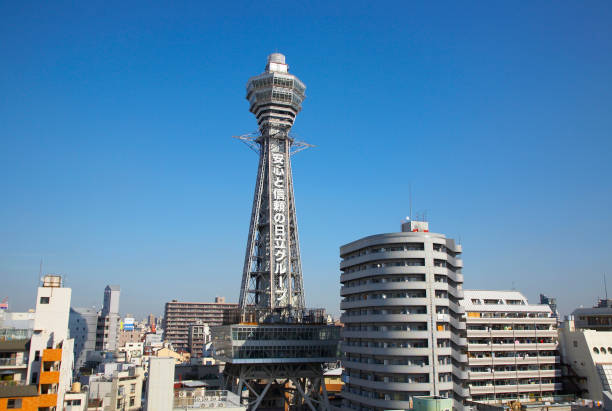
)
(512, 347)
(51, 356)
(588, 355)
(404, 333)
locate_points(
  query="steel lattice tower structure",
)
(276, 353)
(272, 275)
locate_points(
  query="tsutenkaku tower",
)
(272, 275)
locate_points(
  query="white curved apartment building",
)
(404, 333)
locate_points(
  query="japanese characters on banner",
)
(279, 215)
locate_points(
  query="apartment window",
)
(132, 401)
(44, 300)
(34, 377)
(132, 388)
(36, 355)
(575, 344)
(118, 404)
(13, 403)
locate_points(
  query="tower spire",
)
(272, 274)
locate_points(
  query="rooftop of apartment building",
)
(495, 300)
(603, 307)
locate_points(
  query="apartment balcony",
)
(9, 363)
(378, 403)
(377, 318)
(372, 272)
(52, 354)
(387, 302)
(386, 368)
(386, 351)
(386, 334)
(500, 389)
(390, 386)
(461, 390)
(512, 347)
(49, 377)
(458, 356)
(513, 360)
(459, 373)
(511, 333)
(47, 400)
(512, 320)
(502, 375)
(386, 286)
(383, 255)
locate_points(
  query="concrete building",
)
(551, 302)
(51, 356)
(512, 347)
(83, 323)
(16, 320)
(178, 316)
(404, 333)
(14, 361)
(189, 399)
(199, 337)
(597, 318)
(36, 364)
(107, 332)
(160, 385)
(126, 337)
(121, 390)
(75, 399)
(587, 356)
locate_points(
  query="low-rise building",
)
(512, 347)
(597, 318)
(199, 337)
(14, 361)
(120, 391)
(587, 356)
(75, 399)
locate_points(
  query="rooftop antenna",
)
(39, 272)
(605, 286)
(410, 199)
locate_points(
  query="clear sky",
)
(118, 166)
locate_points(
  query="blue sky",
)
(118, 165)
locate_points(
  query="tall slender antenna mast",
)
(410, 199)
(38, 280)
(605, 286)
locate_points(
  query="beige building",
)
(512, 347)
(121, 391)
(178, 357)
(588, 356)
(179, 315)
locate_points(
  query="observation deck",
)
(275, 96)
(276, 343)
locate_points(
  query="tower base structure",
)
(277, 366)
